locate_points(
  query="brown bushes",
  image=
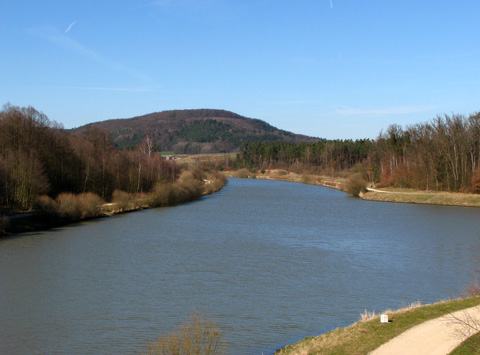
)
(68, 205)
(198, 336)
(355, 184)
(162, 195)
(215, 183)
(189, 185)
(187, 188)
(46, 204)
(121, 199)
(307, 179)
(242, 173)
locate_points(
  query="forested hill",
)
(194, 131)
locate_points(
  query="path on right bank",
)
(438, 336)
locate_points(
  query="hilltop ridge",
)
(194, 131)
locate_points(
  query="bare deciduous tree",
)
(147, 145)
(198, 336)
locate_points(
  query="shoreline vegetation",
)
(369, 333)
(70, 208)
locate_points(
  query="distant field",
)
(198, 158)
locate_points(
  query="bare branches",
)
(465, 324)
(198, 336)
(147, 145)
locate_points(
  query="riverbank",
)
(396, 195)
(40, 220)
(50, 217)
(365, 336)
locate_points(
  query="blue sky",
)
(337, 69)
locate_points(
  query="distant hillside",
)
(194, 131)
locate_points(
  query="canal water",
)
(271, 262)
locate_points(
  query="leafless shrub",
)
(473, 290)
(307, 178)
(162, 194)
(122, 199)
(219, 181)
(242, 173)
(355, 184)
(198, 336)
(187, 187)
(89, 203)
(46, 204)
(464, 325)
(78, 206)
(68, 206)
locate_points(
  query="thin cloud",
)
(399, 110)
(331, 4)
(51, 34)
(70, 27)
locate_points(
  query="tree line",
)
(39, 157)
(442, 154)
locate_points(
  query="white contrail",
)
(71, 25)
(331, 4)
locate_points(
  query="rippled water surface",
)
(271, 262)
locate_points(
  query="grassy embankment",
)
(425, 197)
(367, 335)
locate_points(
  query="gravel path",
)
(435, 337)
